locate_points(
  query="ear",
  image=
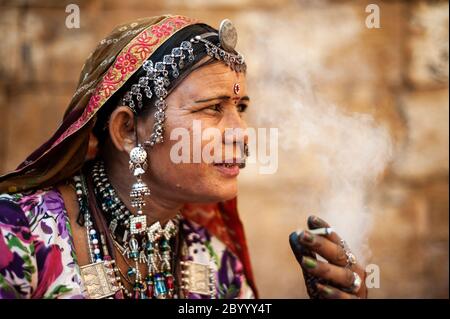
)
(121, 128)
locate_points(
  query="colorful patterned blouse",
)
(38, 259)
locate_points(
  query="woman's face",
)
(211, 97)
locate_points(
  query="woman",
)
(101, 210)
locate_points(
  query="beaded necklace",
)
(140, 244)
(101, 277)
(150, 246)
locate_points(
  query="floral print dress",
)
(38, 259)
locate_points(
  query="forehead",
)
(213, 79)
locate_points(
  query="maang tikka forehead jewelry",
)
(156, 81)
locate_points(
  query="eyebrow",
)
(222, 97)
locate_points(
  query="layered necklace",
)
(139, 244)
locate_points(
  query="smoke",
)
(351, 151)
(339, 155)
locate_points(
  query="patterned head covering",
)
(115, 59)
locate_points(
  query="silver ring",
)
(356, 285)
(351, 259)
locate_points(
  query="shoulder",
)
(17, 245)
(22, 209)
(39, 212)
(34, 234)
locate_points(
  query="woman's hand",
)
(339, 278)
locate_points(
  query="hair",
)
(148, 104)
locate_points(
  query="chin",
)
(217, 193)
(227, 195)
(226, 192)
(224, 188)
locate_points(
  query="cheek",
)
(203, 183)
(196, 182)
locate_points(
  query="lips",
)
(239, 162)
(240, 165)
(229, 169)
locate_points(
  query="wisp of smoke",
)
(350, 150)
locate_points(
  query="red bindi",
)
(236, 88)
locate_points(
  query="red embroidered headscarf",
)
(115, 59)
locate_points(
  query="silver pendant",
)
(196, 277)
(98, 280)
(138, 224)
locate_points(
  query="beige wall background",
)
(397, 74)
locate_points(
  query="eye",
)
(241, 107)
(214, 108)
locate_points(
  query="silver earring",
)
(138, 166)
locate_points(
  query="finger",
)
(332, 252)
(329, 292)
(315, 222)
(298, 249)
(342, 277)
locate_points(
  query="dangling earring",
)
(138, 166)
(246, 151)
(137, 223)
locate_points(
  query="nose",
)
(235, 132)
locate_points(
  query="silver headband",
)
(156, 79)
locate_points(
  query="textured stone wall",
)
(397, 74)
